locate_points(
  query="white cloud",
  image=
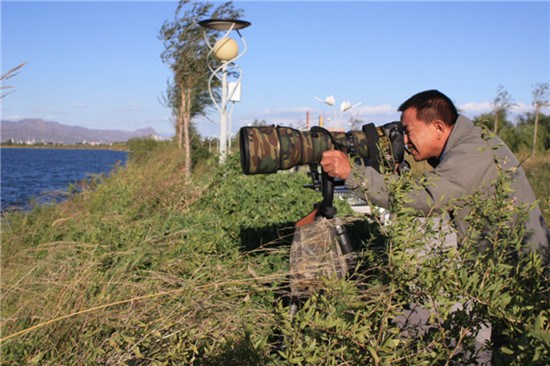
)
(300, 112)
(12, 117)
(475, 108)
(375, 109)
(287, 111)
(521, 108)
(129, 108)
(297, 117)
(377, 114)
(40, 112)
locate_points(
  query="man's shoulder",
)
(467, 151)
(468, 137)
(474, 149)
(467, 141)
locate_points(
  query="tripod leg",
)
(345, 247)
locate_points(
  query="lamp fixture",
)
(225, 50)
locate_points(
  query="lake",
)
(43, 175)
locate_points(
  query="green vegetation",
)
(148, 269)
(186, 53)
(519, 136)
(538, 173)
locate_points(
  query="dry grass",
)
(128, 269)
(146, 269)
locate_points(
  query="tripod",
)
(319, 247)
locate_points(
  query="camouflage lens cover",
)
(259, 148)
(352, 142)
(267, 149)
(291, 147)
(314, 145)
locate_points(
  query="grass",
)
(145, 261)
(149, 269)
(537, 169)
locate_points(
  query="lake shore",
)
(30, 175)
(119, 146)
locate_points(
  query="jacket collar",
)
(461, 128)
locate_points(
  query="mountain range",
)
(40, 131)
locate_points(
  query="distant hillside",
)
(39, 131)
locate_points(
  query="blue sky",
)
(97, 64)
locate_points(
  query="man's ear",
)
(440, 128)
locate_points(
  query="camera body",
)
(268, 149)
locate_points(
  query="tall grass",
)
(145, 266)
(150, 269)
(538, 173)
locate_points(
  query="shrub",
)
(148, 270)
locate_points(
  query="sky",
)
(97, 64)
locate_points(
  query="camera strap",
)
(337, 145)
(279, 149)
(372, 144)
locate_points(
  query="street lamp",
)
(226, 51)
(344, 106)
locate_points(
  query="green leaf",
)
(373, 353)
(36, 359)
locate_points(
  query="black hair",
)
(431, 105)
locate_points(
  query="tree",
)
(501, 103)
(541, 98)
(487, 120)
(185, 53)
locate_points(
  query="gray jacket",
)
(467, 166)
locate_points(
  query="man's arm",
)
(458, 176)
(363, 181)
(366, 183)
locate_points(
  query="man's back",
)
(472, 163)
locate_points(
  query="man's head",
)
(428, 119)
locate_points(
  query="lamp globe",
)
(226, 49)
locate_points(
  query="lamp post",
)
(226, 51)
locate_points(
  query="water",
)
(43, 175)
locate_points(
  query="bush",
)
(141, 148)
(147, 269)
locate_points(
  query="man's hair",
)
(431, 105)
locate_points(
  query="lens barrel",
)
(268, 149)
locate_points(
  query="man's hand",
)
(336, 164)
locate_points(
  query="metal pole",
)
(230, 128)
(223, 115)
(226, 25)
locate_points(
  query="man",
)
(463, 162)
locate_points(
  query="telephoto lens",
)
(268, 149)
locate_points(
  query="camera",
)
(268, 149)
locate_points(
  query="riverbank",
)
(147, 268)
(116, 146)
